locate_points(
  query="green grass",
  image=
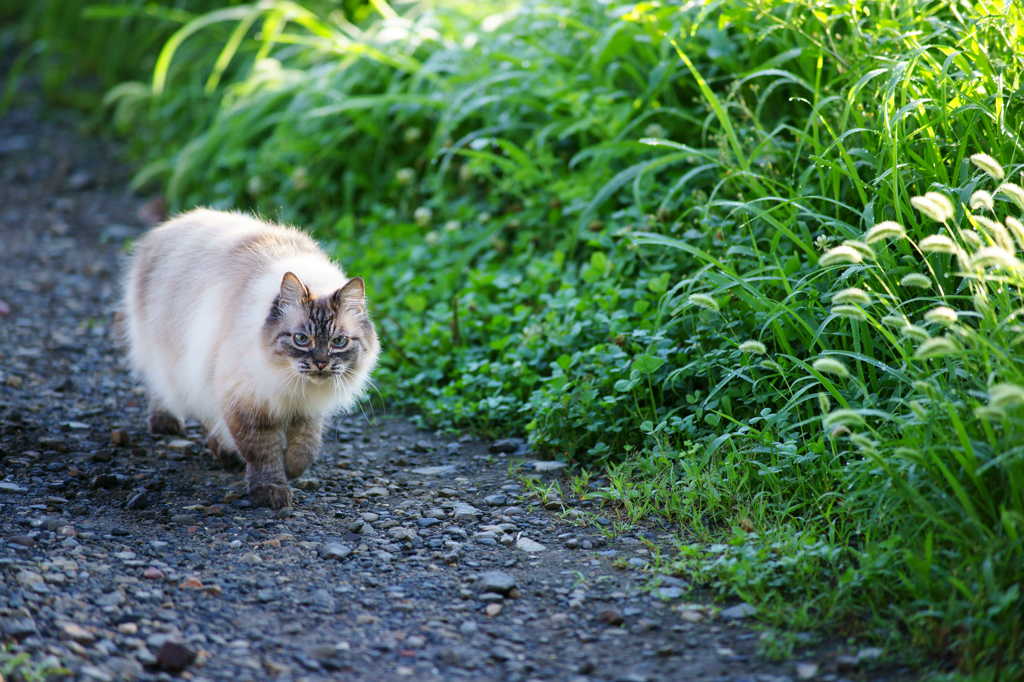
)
(18, 666)
(642, 235)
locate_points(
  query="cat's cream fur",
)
(198, 295)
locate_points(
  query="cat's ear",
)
(351, 298)
(293, 291)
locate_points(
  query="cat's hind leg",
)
(304, 438)
(261, 441)
(162, 422)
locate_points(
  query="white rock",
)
(527, 545)
(806, 671)
(542, 466)
(442, 470)
(738, 612)
(462, 511)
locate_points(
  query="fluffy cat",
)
(251, 329)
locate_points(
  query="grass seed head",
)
(704, 301)
(839, 255)
(753, 347)
(936, 348)
(943, 315)
(654, 130)
(895, 320)
(852, 295)
(1005, 395)
(935, 205)
(995, 231)
(423, 215)
(300, 178)
(404, 176)
(864, 443)
(972, 239)
(838, 432)
(982, 201)
(831, 366)
(995, 257)
(254, 186)
(912, 331)
(842, 417)
(885, 230)
(865, 250)
(1013, 192)
(916, 279)
(850, 312)
(989, 165)
(989, 412)
(1016, 227)
(937, 243)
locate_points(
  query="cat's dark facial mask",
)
(323, 337)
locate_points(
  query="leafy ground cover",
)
(752, 265)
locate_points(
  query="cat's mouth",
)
(318, 375)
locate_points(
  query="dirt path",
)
(409, 555)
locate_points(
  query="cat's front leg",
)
(261, 442)
(227, 457)
(304, 439)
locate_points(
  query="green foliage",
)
(18, 666)
(647, 235)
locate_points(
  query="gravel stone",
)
(806, 671)
(496, 581)
(441, 470)
(462, 511)
(670, 593)
(335, 550)
(18, 628)
(77, 633)
(174, 656)
(611, 617)
(527, 545)
(738, 612)
(509, 446)
(543, 466)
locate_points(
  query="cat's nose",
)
(320, 364)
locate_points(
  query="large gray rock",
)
(496, 581)
(335, 550)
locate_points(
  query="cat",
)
(249, 328)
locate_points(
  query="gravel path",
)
(408, 556)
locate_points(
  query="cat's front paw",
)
(296, 462)
(275, 496)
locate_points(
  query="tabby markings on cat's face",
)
(323, 337)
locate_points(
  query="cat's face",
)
(322, 339)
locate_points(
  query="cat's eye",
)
(339, 342)
(301, 340)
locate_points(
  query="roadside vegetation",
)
(754, 265)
